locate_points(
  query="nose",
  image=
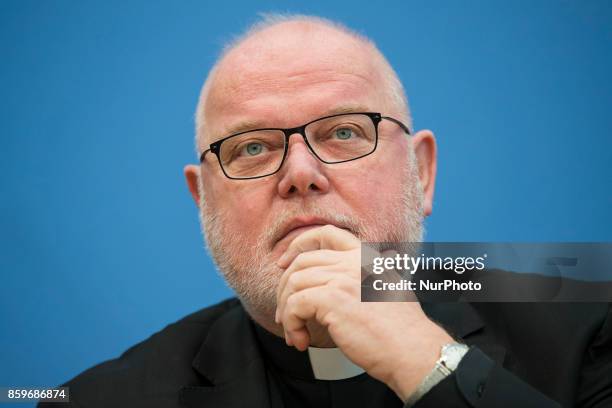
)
(303, 173)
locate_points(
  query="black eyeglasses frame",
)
(376, 118)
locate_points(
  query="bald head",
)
(281, 54)
(284, 73)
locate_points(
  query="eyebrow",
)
(246, 125)
(348, 108)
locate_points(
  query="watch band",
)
(450, 356)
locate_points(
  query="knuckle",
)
(327, 319)
(293, 301)
(300, 260)
(293, 280)
(328, 229)
(335, 283)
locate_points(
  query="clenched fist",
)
(319, 296)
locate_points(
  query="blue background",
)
(100, 239)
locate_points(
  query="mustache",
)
(277, 229)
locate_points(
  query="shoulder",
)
(575, 322)
(148, 373)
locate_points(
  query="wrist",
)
(412, 370)
(451, 355)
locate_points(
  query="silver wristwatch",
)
(450, 356)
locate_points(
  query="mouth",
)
(298, 226)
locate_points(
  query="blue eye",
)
(344, 133)
(253, 149)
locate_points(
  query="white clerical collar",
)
(332, 364)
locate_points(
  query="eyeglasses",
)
(332, 139)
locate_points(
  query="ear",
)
(192, 172)
(424, 144)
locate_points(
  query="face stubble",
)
(249, 268)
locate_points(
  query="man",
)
(306, 149)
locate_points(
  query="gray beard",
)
(248, 267)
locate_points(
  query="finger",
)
(314, 257)
(322, 257)
(368, 257)
(303, 279)
(368, 254)
(325, 237)
(307, 304)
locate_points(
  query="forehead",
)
(290, 74)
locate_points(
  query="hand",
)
(394, 342)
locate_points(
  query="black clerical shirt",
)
(540, 355)
(290, 372)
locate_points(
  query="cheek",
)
(246, 208)
(247, 212)
(371, 187)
